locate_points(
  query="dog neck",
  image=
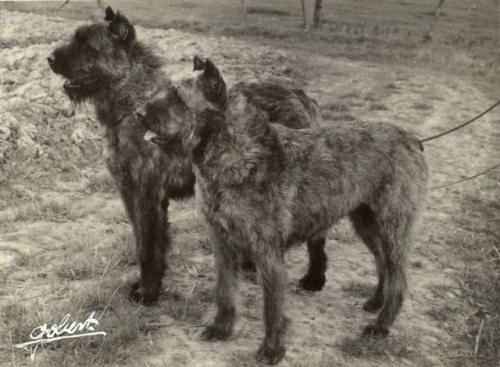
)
(227, 154)
(123, 96)
(212, 127)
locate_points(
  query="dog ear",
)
(214, 87)
(121, 28)
(110, 14)
(198, 63)
(212, 75)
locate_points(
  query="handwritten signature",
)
(64, 330)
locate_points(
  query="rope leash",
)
(455, 129)
(466, 178)
(462, 125)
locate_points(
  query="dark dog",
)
(265, 187)
(106, 65)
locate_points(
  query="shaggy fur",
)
(105, 65)
(266, 187)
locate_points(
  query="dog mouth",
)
(71, 85)
(74, 85)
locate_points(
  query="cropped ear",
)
(212, 75)
(198, 63)
(213, 85)
(110, 14)
(121, 28)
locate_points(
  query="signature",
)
(64, 330)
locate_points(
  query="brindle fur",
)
(106, 65)
(266, 187)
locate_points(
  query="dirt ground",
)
(63, 231)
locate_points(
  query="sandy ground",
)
(325, 325)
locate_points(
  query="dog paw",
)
(214, 332)
(374, 330)
(373, 304)
(269, 355)
(313, 282)
(137, 294)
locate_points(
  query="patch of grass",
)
(190, 307)
(50, 210)
(125, 323)
(441, 314)
(336, 107)
(383, 349)
(267, 11)
(480, 251)
(378, 107)
(74, 271)
(16, 322)
(422, 106)
(346, 118)
(349, 95)
(101, 261)
(100, 182)
(356, 289)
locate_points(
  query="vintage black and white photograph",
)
(245, 183)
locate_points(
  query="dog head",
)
(167, 117)
(96, 55)
(183, 113)
(207, 90)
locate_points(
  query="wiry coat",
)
(265, 187)
(105, 64)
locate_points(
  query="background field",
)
(66, 246)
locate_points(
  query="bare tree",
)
(317, 12)
(63, 5)
(304, 15)
(437, 14)
(244, 8)
(498, 34)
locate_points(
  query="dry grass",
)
(49, 210)
(480, 252)
(97, 284)
(125, 324)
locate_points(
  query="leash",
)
(461, 125)
(466, 178)
(455, 129)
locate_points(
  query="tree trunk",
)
(437, 14)
(317, 13)
(304, 15)
(244, 9)
(498, 34)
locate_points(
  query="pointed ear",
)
(210, 70)
(110, 14)
(198, 63)
(121, 28)
(214, 87)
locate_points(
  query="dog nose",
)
(51, 59)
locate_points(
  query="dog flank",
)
(266, 187)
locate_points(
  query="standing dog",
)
(265, 187)
(106, 65)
